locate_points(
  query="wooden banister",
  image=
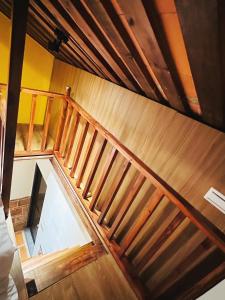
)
(36, 92)
(202, 223)
(92, 164)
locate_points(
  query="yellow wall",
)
(37, 69)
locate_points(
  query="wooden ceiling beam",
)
(122, 26)
(113, 39)
(49, 25)
(75, 43)
(70, 26)
(95, 37)
(203, 27)
(136, 14)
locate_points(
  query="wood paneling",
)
(185, 153)
(53, 267)
(99, 280)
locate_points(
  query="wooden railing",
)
(74, 155)
(90, 156)
(27, 130)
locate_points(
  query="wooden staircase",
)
(139, 216)
(50, 268)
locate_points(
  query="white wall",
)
(216, 293)
(22, 178)
(59, 227)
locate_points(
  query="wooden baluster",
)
(94, 168)
(62, 147)
(46, 123)
(71, 138)
(148, 210)
(61, 124)
(79, 149)
(108, 166)
(119, 178)
(31, 125)
(86, 158)
(126, 203)
(161, 240)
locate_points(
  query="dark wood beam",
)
(153, 90)
(203, 27)
(95, 36)
(18, 34)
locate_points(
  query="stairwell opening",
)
(49, 231)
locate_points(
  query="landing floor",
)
(22, 137)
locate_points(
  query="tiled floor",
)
(21, 244)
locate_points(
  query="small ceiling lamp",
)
(60, 37)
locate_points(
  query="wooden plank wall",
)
(187, 154)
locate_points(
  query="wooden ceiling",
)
(171, 51)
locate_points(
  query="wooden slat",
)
(203, 27)
(46, 123)
(93, 34)
(72, 137)
(86, 158)
(126, 203)
(204, 249)
(60, 127)
(71, 27)
(148, 210)
(152, 90)
(62, 147)
(19, 20)
(161, 240)
(148, 45)
(108, 166)
(113, 40)
(119, 178)
(94, 168)
(31, 125)
(208, 228)
(79, 149)
(133, 280)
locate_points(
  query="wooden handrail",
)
(208, 228)
(36, 92)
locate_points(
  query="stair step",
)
(50, 268)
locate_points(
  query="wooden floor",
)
(22, 135)
(100, 280)
(22, 245)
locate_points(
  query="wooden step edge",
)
(55, 270)
(38, 261)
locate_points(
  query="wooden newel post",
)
(68, 91)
